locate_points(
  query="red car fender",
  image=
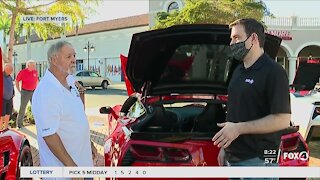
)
(12, 141)
(112, 121)
(112, 149)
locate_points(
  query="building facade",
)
(300, 40)
(98, 46)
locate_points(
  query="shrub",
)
(29, 116)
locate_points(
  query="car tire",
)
(25, 159)
(104, 84)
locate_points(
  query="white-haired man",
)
(62, 127)
(26, 83)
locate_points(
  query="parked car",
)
(305, 99)
(179, 76)
(92, 79)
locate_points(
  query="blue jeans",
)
(251, 162)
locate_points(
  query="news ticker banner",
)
(171, 172)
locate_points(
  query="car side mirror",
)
(108, 110)
(105, 110)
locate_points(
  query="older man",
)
(62, 126)
(26, 83)
(8, 93)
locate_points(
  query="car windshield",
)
(199, 62)
(92, 74)
(84, 73)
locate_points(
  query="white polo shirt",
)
(57, 110)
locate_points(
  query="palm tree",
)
(76, 9)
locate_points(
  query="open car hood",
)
(307, 74)
(185, 59)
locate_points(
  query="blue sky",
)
(113, 9)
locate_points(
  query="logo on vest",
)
(250, 81)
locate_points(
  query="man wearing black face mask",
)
(258, 102)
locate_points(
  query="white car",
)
(306, 114)
(92, 79)
(305, 100)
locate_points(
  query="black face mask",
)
(239, 50)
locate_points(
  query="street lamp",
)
(14, 63)
(89, 47)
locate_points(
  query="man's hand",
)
(221, 157)
(94, 151)
(81, 89)
(228, 133)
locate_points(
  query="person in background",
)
(26, 83)
(258, 101)
(62, 127)
(8, 94)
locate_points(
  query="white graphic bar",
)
(37, 172)
(172, 172)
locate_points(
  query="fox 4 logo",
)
(303, 156)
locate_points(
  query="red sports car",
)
(14, 148)
(15, 152)
(179, 76)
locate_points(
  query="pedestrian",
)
(26, 83)
(258, 101)
(7, 99)
(62, 127)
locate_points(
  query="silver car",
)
(92, 79)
